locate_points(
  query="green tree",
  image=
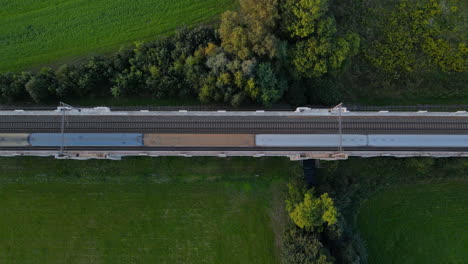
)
(308, 211)
(318, 49)
(313, 212)
(252, 31)
(128, 83)
(234, 35)
(6, 80)
(300, 17)
(67, 81)
(95, 77)
(271, 87)
(42, 86)
(420, 35)
(12, 86)
(301, 247)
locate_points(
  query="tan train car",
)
(14, 140)
(199, 140)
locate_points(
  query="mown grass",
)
(141, 210)
(423, 223)
(35, 33)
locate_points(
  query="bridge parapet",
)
(300, 111)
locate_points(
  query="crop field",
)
(164, 210)
(36, 33)
(423, 223)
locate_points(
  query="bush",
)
(12, 86)
(301, 247)
(42, 86)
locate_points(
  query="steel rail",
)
(431, 125)
(254, 148)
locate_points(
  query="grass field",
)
(54, 31)
(423, 223)
(141, 210)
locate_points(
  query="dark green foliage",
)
(42, 86)
(12, 86)
(301, 247)
(251, 32)
(318, 48)
(6, 80)
(95, 77)
(316, 227)
(298, 48)
(271, 87)
(128, 83)
(67, 81)
(188, 40)
(352, 181)
(393, 37)
(411, 38)
(296, 93)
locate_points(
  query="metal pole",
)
(340, 127)
(63, 107)
(62, 130)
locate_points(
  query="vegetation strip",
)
(294, 51)
(44, 32)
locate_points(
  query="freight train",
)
(231, 140)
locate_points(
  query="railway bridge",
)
(304, 133)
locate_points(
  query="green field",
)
(36, 33)
(423, 223)
(142, 210)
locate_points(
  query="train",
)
(230, 140)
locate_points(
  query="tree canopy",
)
(419, 35)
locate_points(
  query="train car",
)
(14, 140)
(310, 140)
(460, 141)
(199, 140)
(87, 139)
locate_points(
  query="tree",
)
(301, 247)
(300, 17)
(234, 35)
(307, 211)
(261, 17)
(6, 80)
(251, 32)
(95, 77)
(188, 40)
(42, 86)
(419, 35)
(129, 83)
(271, 87)
(67, 81)
(12, 86)
(318, 49)
(314, 211)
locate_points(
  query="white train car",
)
(309, 140)
(435, 141)
(358, 140)
(14, 140)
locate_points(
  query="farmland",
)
(422, 223)
(165, 210)
(34, 33)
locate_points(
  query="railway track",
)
(233, 125)
(221, 149)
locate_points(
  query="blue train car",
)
(86, 139)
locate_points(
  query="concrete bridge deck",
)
(303, 121)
